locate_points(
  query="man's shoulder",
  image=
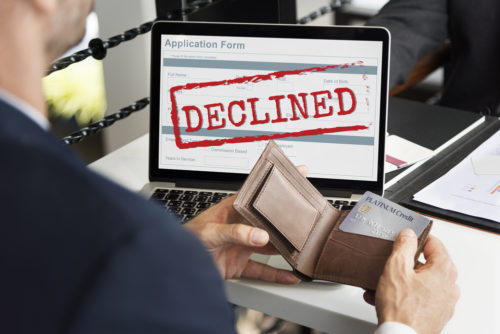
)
(62, 224)
(44, 180)
(159, 279)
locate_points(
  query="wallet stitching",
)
(356, 249)
(247, 213)
(368, 237)
(311, 225)
(269, 165)
(249, 189)
(264, 177)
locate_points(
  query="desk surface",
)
(335, 308)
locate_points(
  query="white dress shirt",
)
(390, 327)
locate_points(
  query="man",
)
(419, 26)
(81, 255)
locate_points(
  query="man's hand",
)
(422, 298)
(231, 243)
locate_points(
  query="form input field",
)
(231, 161)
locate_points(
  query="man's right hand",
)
(423, 298)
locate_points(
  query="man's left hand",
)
(231, 244)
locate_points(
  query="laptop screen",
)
(221, 97)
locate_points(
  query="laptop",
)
(221, 91)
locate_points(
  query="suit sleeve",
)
(152, 286)
(417, 27)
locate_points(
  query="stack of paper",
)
(472, 187)
(401, 153)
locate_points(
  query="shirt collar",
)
(25, 108)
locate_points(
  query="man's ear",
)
(44, 6)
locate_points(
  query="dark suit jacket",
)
(79, 254)
(473, 27)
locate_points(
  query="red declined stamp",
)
(206, 108)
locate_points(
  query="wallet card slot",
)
(313, 247)
(346, 263)
(363, 243)
(286, 209)
(356, 259)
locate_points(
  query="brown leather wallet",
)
(304, 227)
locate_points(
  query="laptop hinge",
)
(227, 185)
(336, 192)
(206, 184)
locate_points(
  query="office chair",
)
(425, 66)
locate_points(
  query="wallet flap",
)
(301, 227)
(286, 208)
(304, 227)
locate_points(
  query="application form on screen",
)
(315, 84)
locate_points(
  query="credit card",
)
(378, 217)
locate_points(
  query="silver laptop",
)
(220, 91)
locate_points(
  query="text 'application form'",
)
(320, 94)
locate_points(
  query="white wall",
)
(126, 67)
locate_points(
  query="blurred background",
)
(85, 92)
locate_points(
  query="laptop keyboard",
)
(187, 203)
(342, 204)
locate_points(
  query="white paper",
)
(486, 164)
(389, 167)
(404, 150)
(462, 190)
